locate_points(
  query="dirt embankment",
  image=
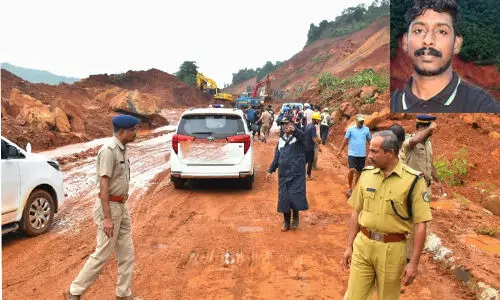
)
(486, 77)
(49, 116)
(342, 56)
(460, 218)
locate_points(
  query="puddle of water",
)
(485, 243)
(250, 229)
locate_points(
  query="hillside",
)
(341, 56)
(49, 116)
(38, 76)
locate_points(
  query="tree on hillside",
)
(352, 19)
(187, 72)
(243, 75)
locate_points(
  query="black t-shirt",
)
(457, 97)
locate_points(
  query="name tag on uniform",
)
(371, 190)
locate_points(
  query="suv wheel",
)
(178, 182)
(248, 182)
(38, 213)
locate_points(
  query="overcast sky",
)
(78, 38)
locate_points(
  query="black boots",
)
(286, 223)
(295, 222)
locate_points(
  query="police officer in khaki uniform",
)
(111, 213)
(376, 246)
(416, 151)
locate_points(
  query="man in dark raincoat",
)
(290, 159)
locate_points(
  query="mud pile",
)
(50, 116)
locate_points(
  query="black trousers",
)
(323, 132)
(309, 161)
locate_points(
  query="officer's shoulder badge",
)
(413, 171)
(426, 197)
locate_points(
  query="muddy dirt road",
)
(210, 241)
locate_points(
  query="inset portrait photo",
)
(445, 56)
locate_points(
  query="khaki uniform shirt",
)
(113, 162)
(371, 198)
(266, 117)
(418, 157)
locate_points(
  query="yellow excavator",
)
(206, 84)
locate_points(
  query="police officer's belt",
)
(119, 199)
(382, 236)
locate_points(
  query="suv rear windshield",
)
(218, 126)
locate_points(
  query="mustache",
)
(430, 51)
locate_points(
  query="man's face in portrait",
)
(431, 42)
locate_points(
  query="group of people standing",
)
(390, 199)
(259, 121)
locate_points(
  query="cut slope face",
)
(50, 116)
(367, 48)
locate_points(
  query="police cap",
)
(425, 118)
(125, 121)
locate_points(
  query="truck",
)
(254, 98)
(207, 84)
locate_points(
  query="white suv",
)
(212, 143)
(32, 190)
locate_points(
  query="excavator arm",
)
(267, 82)
(203, 82)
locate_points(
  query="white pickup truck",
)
(32, 190)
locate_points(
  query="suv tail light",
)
(177, 138)
(242, 138)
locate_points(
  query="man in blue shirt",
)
(357, 136)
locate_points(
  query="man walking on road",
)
(266, 121)
(111, 213)
(356, 136)
(311, 143)
(326, 122)
(290, 161)
(380, 222)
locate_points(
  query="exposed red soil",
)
(181, 237)
(87, 105)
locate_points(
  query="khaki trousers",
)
(375, 262)
(121, 244)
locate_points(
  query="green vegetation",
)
(245, 74)
(285, 82)
(300, 70)
(187, 72)
(453, 171)
(487, 231)
(478, 24)
(369, 100)
(321, 58)
(327, 81)
(352, 19)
